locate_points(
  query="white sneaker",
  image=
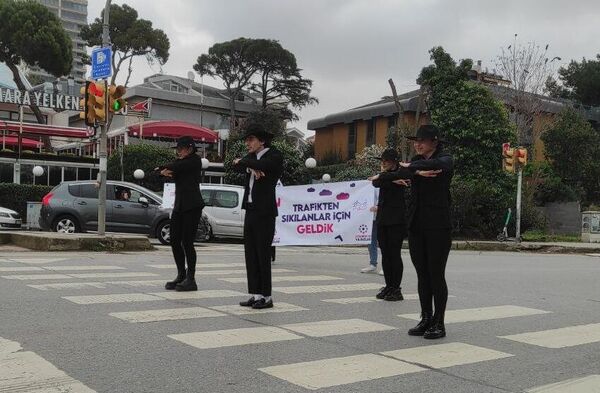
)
(380, 272)
(370, 269)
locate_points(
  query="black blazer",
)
(391, 208)
(430, 196)
(187, 173)
(263, 190)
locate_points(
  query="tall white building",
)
(73, 15)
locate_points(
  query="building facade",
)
(73, 15)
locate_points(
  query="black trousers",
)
(429, 249)
(184, 226)
(259, 230)
(390, 238)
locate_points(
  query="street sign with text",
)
(101, 63)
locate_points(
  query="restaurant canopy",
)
(173, 130)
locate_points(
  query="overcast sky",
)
(350, 48)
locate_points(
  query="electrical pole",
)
(102, 154)
(518, 212)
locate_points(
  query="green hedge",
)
(15, 196)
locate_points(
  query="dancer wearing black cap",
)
(430, 228)
(186, 170)
(391, 222)
(263, 165)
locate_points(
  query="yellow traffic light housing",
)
(522, 155)
(92, 103)
(116, 104)
(508, 162)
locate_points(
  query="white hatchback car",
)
(9, 219)
(224, 209)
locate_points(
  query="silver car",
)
(223, 210)
(73, 207)
(9, 219)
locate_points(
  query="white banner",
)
(324, 214)
(168, 198)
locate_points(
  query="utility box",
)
(590, 227)
(33, 215)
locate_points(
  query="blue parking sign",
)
(101, 63)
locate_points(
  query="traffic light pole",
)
(102, 154)
(518, 212)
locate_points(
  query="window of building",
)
(391, 121)
(351, 141)
(55, 175)
(84, 174)
(26, 174)
(74, 6)
(70, 174)
(370, 133)
(74, 16)
(52, 3)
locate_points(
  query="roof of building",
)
(409, 101)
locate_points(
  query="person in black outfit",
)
(263, 165)
(391, 222)
(430, 228)
(186, 170)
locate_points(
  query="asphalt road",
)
(73, 322)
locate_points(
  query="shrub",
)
(15, 196)
(143, 156)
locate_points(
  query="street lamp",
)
(310, 162)
(138, 174)
(37, 172)
(326, 178)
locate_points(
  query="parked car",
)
(9, 219)
(224, 210)
(73, 207)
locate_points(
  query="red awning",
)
(174, 130)
(44, 129)
(25, 142)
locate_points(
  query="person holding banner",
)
(391, 222)
(186, 170)
(430, 227)
(263, 165)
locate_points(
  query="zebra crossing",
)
(324, 291)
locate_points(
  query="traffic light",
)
(509, 160)
(116, 104)
(92, 103)
(522, 154)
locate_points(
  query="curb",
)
(42, 241)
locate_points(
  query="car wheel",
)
(163, 233)
(66, 224)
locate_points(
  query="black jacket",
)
(391, 208)
(430, 196)
(263, 190)
(187, 173)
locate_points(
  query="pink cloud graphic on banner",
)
(342, 196)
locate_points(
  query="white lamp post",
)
(310, 163)
(139, 174)
(326, 178)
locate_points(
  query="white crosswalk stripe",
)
(115, 298)
(170, 314)
(199, 266)
(327, 288)
(23, 371)
(336, 327)
(482, 314)
(560, 338)
(217, 293)
(239, 280)
(234, 337)
(327, 373)
(68, 285)
(589, 384)
(278, 307)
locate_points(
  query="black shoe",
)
(262, 303)
(382, 292)
(436, 330)
(422, 326)
(189, 284)
(394, 295)
(170, 285)
(248, 303)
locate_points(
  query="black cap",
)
(428, 131)
(185, 141)
(389, 155)
(257, 130)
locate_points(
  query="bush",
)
(546, 186)
(143, 156)
(15, 196)
(294, 170)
